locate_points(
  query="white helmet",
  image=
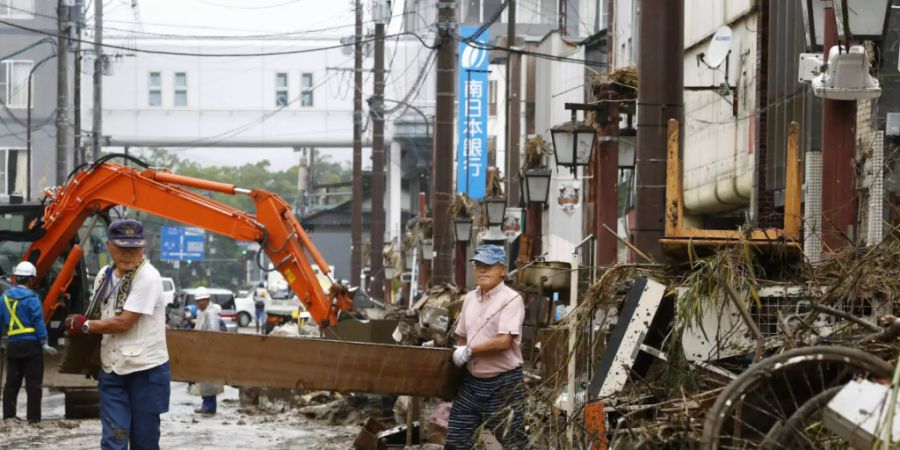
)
(25, 269)
(201, 293)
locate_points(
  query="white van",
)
(168, 290)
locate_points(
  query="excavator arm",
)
(104, 185)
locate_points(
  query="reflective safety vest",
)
(15, 325)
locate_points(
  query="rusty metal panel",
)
(311, 364)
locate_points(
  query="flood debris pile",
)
(655, 366)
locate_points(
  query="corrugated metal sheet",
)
(787, 100)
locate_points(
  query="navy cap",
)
(126, 233)
(489, 254)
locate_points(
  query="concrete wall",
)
(552, 79)
(718, 145)
(13, 120)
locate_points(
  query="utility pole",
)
(513, 108)
(442, 190)
(97, 129)
(376, 230)
(660, 87)
(76, 84)
(839, 202)
(62, 90)
(356, 215)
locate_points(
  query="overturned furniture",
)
(678, 236)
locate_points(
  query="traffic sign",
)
(183, 243)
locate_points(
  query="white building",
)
(284, 93)
(267, 93)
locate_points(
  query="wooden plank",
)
(699, 233)
(792, 195)
(311, 364)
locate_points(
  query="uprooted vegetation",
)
(791, 303)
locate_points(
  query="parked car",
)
(183, 311)
(168, 290)
(245, 306)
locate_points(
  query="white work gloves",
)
(462, 355)
(48, 349)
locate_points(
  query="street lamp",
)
(537, 185)
(494, 210)
(573, 143)
(462, 228)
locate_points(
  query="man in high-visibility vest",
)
(22, 320)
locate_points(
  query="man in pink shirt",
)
(489, 334)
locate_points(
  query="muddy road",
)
(234, 427)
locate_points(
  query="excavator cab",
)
(19, 228)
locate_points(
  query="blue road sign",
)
(183, 243)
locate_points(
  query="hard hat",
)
(25, 269)
(201, 294)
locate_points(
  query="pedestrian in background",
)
(135, 376)
(489, 339)
(22, 320)
(260, 297)
(207, 320)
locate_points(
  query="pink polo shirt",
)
(483, 317)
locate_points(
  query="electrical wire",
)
(279, 5)
(213, 55)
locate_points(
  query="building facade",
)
(28, 54)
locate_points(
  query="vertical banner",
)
(471, 158)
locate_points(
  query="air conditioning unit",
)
(846, 76)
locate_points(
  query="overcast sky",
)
(238, 18)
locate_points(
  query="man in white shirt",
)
(134, 382)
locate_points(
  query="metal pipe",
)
(29, 107)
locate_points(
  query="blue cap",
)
(126, 233)
(489, 254)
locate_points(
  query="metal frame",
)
(677, 235)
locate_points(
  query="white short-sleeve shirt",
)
(144, 345)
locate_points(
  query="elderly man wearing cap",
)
(22, 320)
(134, 382)
(489, 334)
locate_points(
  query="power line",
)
(211, 3)
(216, 55)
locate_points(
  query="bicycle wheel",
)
(764, 397)
(804, 430)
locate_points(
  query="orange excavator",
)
(97, 187)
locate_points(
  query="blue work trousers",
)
(130, 406)
(209, 403)
(261, 320)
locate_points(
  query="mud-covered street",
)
(234, 426)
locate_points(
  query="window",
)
(180, 98)
(17, 9)
(13, 167)
(281, 89)
(306, 94)
(154, 89)
(14, 83)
